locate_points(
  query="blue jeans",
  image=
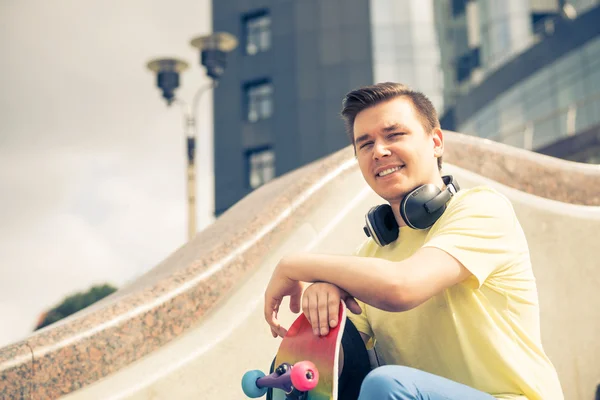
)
(392, 382)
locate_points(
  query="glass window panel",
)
(386, 72)
(261, 166)
(468, 128)
(329, 47)
(592, 82)
(487, 122)
(382, 12)
(537, 87)
(424, 36)
(567, 95)
(501, 39)
(259, 101)
(425, 77)
(511, 119)
(400, 11)
(568, 63)
(258, 33)
(585, 115)
(541, 109)
(458, 7)
(485, 47)
(592, 49)
(514, 138)
(266, 108)
(402, 37)
(384, 40)
(546, 131)
(588, 114)
(422, 12)
(405, 73)
(329, 14)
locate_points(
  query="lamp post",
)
(213, 55)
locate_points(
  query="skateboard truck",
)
(296, 381)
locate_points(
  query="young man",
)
(452, 309)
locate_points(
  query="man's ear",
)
(438, 142)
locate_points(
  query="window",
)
(467, 63)
(261, 166)
(257, 29)
(459, 7)
(538, 21)
(259, 100)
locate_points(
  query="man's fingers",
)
(295, 303)
(333, 305)
(305, 309)
(278, 330)
(271, 310)
(323, 314)
(314, 314)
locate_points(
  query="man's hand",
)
(280, 286)
(320, 304)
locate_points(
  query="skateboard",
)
(306, 366)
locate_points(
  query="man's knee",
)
(389, 383)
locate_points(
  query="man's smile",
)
(382, 172)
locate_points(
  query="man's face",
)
(394, 152)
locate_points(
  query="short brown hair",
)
(369, 96)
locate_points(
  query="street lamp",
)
(213, 55)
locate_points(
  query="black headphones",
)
(420, 209)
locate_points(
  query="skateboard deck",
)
(301, 344)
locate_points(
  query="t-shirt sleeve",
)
(479, 230)
(361, 321)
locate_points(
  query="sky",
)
(92, 161)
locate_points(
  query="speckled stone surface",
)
(176, 294)
(529, 172)
(16, 371)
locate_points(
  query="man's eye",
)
(362, 146)
(395, 134)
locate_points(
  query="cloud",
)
(92, 165)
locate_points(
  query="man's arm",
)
(387, 285)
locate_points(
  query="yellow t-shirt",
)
(484, 332)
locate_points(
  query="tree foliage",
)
(74, 303)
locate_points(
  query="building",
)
(277, 107)
(525, 73)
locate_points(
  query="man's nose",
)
(380, 150)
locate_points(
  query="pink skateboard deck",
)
(301, 344)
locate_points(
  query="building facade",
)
(534, 85)
(522, 72)
(278, 105)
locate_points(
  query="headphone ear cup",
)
(381, 225)
(413, 211)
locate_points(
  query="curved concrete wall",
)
(211, 289)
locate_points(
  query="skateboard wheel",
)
(249, 384)
(305, 376)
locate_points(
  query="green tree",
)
(73, 303)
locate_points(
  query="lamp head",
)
(213, 51)
(167, 75)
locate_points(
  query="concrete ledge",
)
(16, 371)
(529, 172)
